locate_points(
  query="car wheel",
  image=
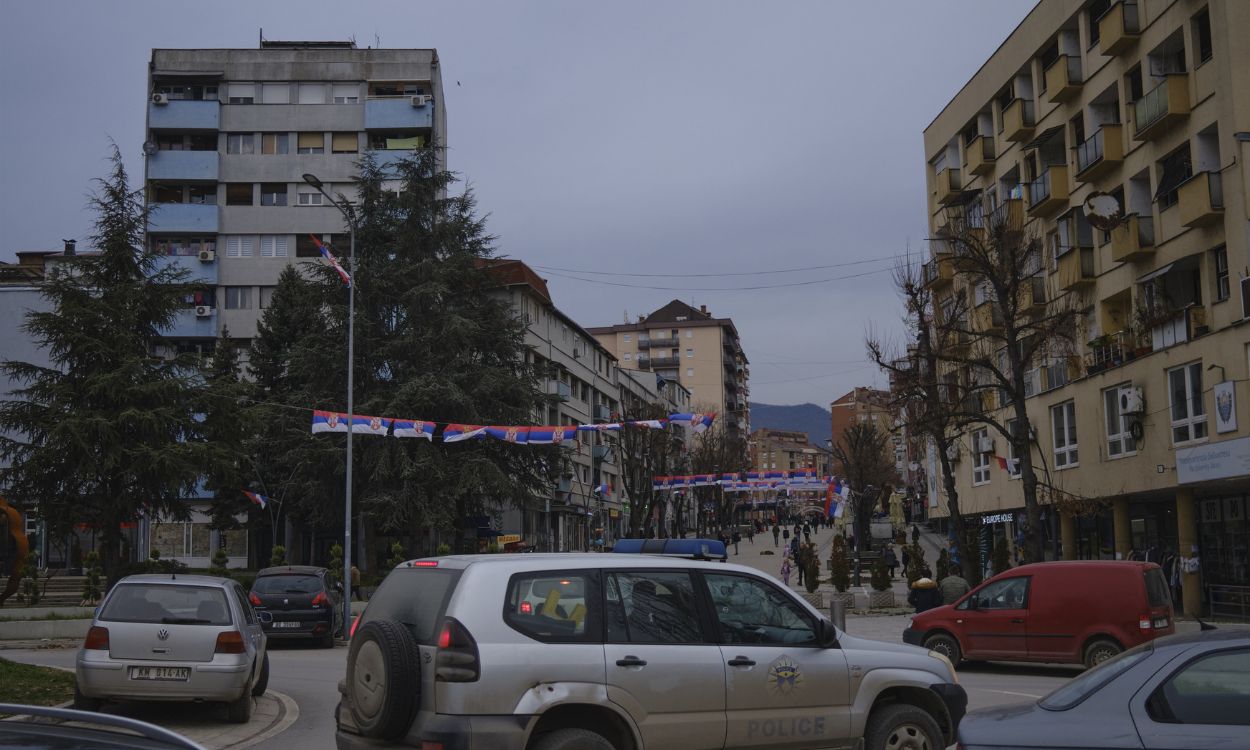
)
(326, 642)
(1099, 651)
(383, 679)
(83, 703)
(572, 739)
(240, 711)
(262, 682)
(900, 726)
(946, 645)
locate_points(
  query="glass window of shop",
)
(1153, 529)
(1224, 540)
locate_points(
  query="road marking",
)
(1004, 692)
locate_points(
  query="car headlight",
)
(949, 666)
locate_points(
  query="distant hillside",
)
(809, 418)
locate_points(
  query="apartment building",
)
(861, 404)
(786, 450)
(1146, 427)
(688, 345)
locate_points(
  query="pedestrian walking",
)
(785, 569)
(906, 558)
(776, 533)
(952, 587)
(751, 533)
(785, 534)
(794, 547)
(891, 560)
(924, 595)
(354, 592)
(737, 537)
(807, 533)
(800, 562)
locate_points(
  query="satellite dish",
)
(150, 148)
(1103, 211)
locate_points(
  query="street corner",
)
(204, 723)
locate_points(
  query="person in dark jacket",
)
(924, 595)
(891, 560)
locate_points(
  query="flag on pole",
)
(829, 500)
(329, 421)
(257, 498)
(334, 263)
(414, 428)
(454, 433)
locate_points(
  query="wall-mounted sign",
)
(1223, 460)
(997, 518)
(1225, 407)
(508, 538)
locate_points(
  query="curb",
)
(287, 717)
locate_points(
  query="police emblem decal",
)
(784, 675)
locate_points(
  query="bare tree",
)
(715, 451)
(646, 453)
(863, 452)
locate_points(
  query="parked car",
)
(595, 652)
(1081, 612)
(49, 728)
(174, 638)
(304, 601)
(1182, 692)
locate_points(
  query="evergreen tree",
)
(881, 580)
(107, 431)
(839, 565)
(223, 430)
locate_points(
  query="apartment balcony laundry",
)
(1162, 107)
(398, 113)
(1101, 153)
(1133, 239)
(950, 186)
(1076, 268)
(200, 218)
(185, 114)
(1119, 28)
(1201, 199)
(1018, 120)
(979, 155)
(1049, 192)
(1063, 78)
(183, 166)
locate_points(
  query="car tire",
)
(900, 726)
(262, 682)
(326, 642)
(83, 703)
(946, 645)
(240, 711)
(1099, 651)
(572, 739)
(383, 679)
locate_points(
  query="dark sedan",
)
(1179, 692)
(304, 601)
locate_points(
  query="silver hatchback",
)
(174, 638)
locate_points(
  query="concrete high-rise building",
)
(861, 404)
(1143, 431)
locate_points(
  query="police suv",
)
(624, 652)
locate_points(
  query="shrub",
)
(943, 565)
(221, 562)
(31, 592)
(915, 563)
(335, 565)
(442, 549)
(397, 555)
(277, 556)
(91, 587)
(880, 575)
(839, 565)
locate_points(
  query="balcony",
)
(650, 342)
(1201, 199)
(198, 272)
(939, 272)
(181, 166)
(1049, 192)
(397, 113)
(1133, 239)
(988, 318)
(950, 187)
(1179, 327)
(1162, 107)
(1119, 28)
(1076, 268)
(561, 391)
(199, 218)
(659, 363)
(188, 325)
(1107, 351)
(185, 114)
(1100, 153)
(979, 155)
(1018, 120)
(1008, 217)
(1063, 78)
(1033, 294)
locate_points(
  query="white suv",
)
(624, 652)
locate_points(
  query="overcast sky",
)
(636, 137)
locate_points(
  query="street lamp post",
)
(350, 216)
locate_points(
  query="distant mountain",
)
(815, 420)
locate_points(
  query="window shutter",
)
(312, 93)
(275, 93)
(312, 140)
(233, 247)
(343, 143)
(279, 246)
(346, 91)
(266, 246)
(241, 90)
(246, 246)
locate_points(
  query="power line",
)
(721, 288)
(712, 275)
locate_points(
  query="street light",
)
(350, 216)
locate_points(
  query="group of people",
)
(797, 555)
(927, 593)
(802, 529)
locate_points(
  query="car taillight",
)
(320, 599)
(425, 563)
(1143, 621)
(254, 599)
(355, 622)
(97, 639)
(527, 608)
(457, 659)
(229, 642)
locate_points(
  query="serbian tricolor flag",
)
(678, 481)
(371, 425)
(774, 475)
(334, 263)
(755, 475)
(329, 421)
(659, 483)
(414, 428)
(1002, 462)
(602, 427)
(510, 434)
(653, 424)
(550, 435)
(454, 433)
(697, 422)
(602, 490)
(729, 480)
(257, 498)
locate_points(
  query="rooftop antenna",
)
(260, 33)
(377, 40)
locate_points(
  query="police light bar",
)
(696, 549)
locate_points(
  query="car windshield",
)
(287, 584)
(1093, 680)
(167, 604)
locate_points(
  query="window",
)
(1189, 420)
(305, 247)
(1220, 255)
(238, 246)
(343, 143)
(1092, 680)
(241, 93)
(275, 93)
(627, 338)
(275, 143)
(1096, 11)
(312, 93)
(238, 193)
(266, 297)
(1010, 593)
(690, 372)
(1063, 429)
(980, 461)
(182, 92)
(273, 246)
(311, 143)
(245, 606)
(146, 603)
(689, 333)
(1202, 35)
(753, 612)
(628, 356)
(554, 606)
(689, 353)
(1120, 440)
(240, 143)
(1213, 689)
(183, 246)
(1173, 170)
(309, 197)
(202, 195)
(273, 194)
(1013, 458)
(396, 88)
(652, 607)
(346, 93)
(238, 298)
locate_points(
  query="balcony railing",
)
(1107, 351)
(979, 155)
(1063, 78)
(661, 362)
(1018, 120)
(1119, 28)
(1100, 152)
(650, 342)
(1180, 327)
(1049, 191)
(1133, 238)
(1076, 267)
(950, 186)
(1201, 199)
(1161, 106)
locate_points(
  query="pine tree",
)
(223, 430)
(839, 565)
(107, 431)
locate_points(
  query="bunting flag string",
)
(257, 498)
(333, 421)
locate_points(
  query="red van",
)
(1081, 612)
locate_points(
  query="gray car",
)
(174, 638)
(1181, 692)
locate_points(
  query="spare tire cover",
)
(383, 679)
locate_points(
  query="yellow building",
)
(1146, 430)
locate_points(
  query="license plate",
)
(285, 624)
(1161, 622)
(160, 673)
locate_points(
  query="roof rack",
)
(695, 549)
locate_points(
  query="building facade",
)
(786, 450)
(1144, 431)
(861, 405)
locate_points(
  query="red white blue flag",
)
(334, 263)
(509, 434)
(329, 421)
(601, 427)
(697, 422)
(550, 435)
(455, 433)
(257, 498)
(414, 428)
(378, 426)
(653, 424)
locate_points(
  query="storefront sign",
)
(997, 518)
(508, 539)
(1225, 407)
(1201, 463)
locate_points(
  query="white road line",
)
(1004, 692)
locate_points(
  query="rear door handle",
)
(631, 661)
(741, 661)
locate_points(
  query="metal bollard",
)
(837, 613)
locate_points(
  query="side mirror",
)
(827, 633)
(265, 617)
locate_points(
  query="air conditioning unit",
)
(159, 98)
(952, 452)
(1131, 400)
(985, 445)
(203, 311)
(207, 256)
(420, 100)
